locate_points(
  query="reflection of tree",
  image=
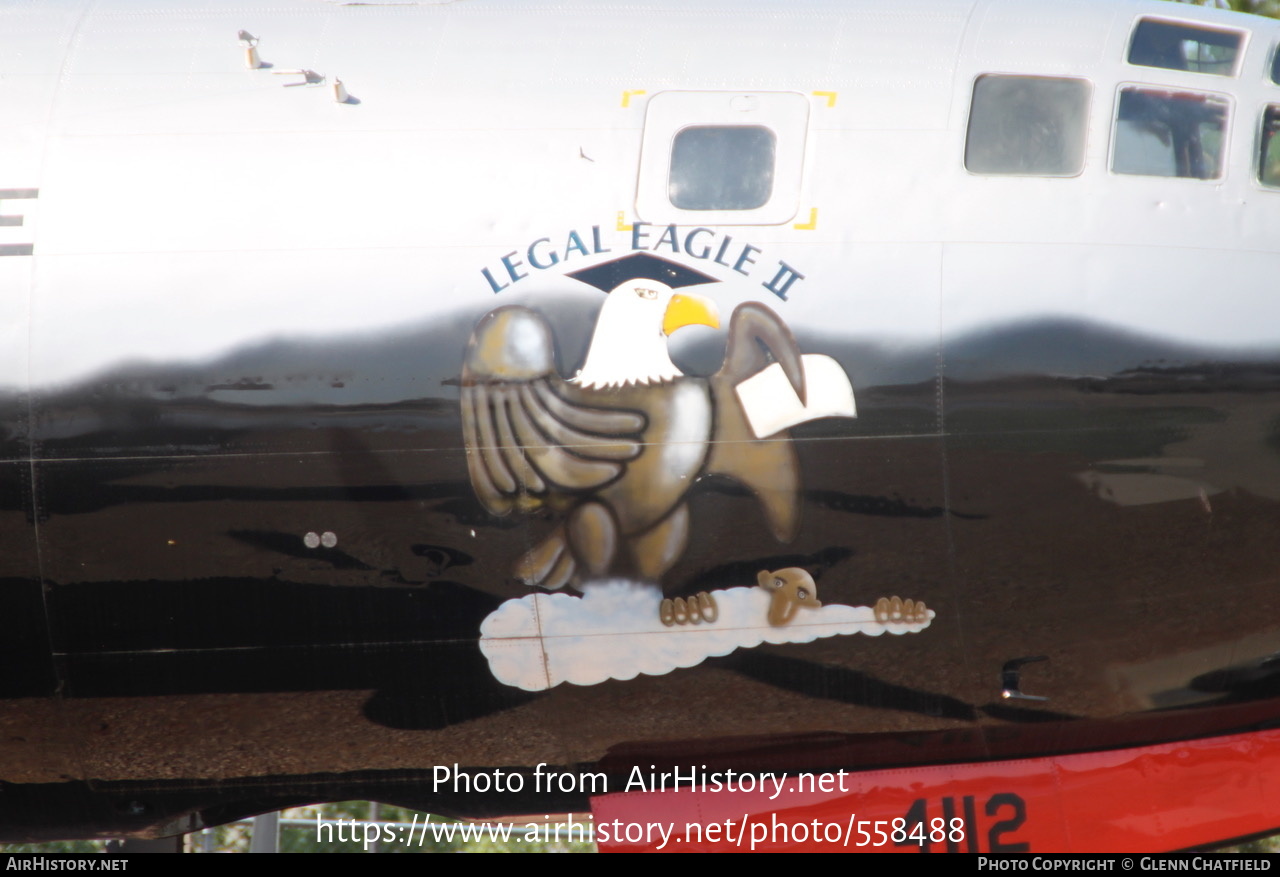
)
(1270, 173)
(235, 837)
(1189, 124)
(1255, 7)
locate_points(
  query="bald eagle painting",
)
(612, 454)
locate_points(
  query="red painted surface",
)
(1146, 799)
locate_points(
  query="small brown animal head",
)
(789, 589)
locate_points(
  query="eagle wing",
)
(526, 439)
(767, 466)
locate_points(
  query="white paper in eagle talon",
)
(771, 403)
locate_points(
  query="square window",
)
(722, 157)
(719, 167)
(1027, 125)
(1169, 134)
(1176, 46)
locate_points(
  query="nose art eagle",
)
(613, 452)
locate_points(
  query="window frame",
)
(667, 113)
(1259, 153)
(1084, 147)
(1225, 151)
(1241, 48)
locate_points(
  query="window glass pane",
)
(722, 167)
(1275, 67)
(1169, 134)
(1027, 125)
(1269, 161)
(1184, 47)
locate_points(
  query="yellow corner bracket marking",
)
(811, 224)
(622, 221)
(829, 95)
(626, 96)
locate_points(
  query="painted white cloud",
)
(613, 632)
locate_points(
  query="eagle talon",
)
(707, 607)
(921, 613)
(693, 610)
(894, 610)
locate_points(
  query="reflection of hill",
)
(419, 362)
(402, 381)
(1044, 348)
(407, 380)
(1063, 348)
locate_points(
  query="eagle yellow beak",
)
(689, 310)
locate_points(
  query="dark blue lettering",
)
(637, 234)
(668, 238)
(745, 258)
(724, 245)
(688, 244)
(595, 239)
(511, 267)
(533, 257)
(493, 284)
(782, 280)
(574, 243)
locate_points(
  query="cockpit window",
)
(1176, 46)
(722, 167)
(1169, 134)
(1269, 160)
(1275, 66)
(1027, 125)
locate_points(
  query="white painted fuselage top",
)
(176, 205)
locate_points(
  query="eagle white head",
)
(629, 345)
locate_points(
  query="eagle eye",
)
(778, 583)
(647, 293)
